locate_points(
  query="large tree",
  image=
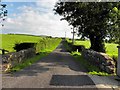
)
(92, 19)
(3, 13)
(114, 32)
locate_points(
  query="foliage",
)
(46, 44)
(9, 40)
(91, 69)
(111, 48)
(67, 46)
(3, 13)
(91, 19)
(43, 44)
(22, 46)
(43, 53)
(44, 47)
(114, 33)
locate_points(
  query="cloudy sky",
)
(35, 18)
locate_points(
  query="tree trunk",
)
(97, 43)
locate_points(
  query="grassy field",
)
(111, 48)
(47, 44)
(9, 41)
(44, 46)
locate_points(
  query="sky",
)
(34, 17)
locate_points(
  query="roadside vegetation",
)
(93, 70)
(97, 23)
(111, 50)
(9, 40)
(28, 62)
(43, 46)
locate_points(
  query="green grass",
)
(93, 70)
(47, 44)
(42, 54)
(111, 48)
(44, 47)
(85, 43)
(28, 62)
(9, 41)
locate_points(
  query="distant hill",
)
(29, 35)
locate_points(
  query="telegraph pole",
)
(65, 35)
(73, 35)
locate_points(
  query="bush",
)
(22, 46)
(46, 44)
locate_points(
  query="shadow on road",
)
(58, 58)
(30, 71)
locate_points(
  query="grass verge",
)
(28, 62)
(44, 45)
(93, 70)
(34, 59)
(111, 48)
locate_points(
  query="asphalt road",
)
(57, 70)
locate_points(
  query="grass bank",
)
(9, 40)
(42, 54)
(44, 46)
(93, 70)
(111, 48)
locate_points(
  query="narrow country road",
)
(57, 70)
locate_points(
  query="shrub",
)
(21, 46)
(46, 44)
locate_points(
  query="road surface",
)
(57, 70)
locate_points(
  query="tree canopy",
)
(114, 32)
(94, 20)
(3, 13)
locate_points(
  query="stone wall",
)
(101, 60)
(11, 59)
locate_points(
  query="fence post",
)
(3, 52)
(118, 62)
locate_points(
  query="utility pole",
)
(65, 35)
(73, 35)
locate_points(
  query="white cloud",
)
(31, 21)
(46, 3)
